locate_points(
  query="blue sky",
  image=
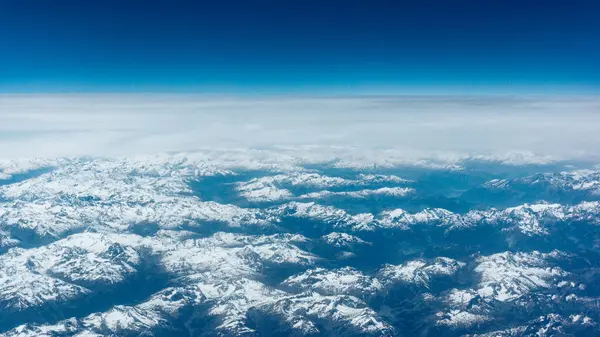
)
(300, 46)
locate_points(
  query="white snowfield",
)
(340, 240)
(271, 188)
(81, 227)
(578, 180)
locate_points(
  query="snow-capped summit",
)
(343, 281)
(343, 240)
(311, 313)
(507, 276)
(419, 272)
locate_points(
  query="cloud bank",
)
(416, 127)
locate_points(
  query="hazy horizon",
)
(414, 127)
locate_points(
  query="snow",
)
(584, 180)
(55, 273)
(277, 253)
(272, 188)
(340, 240)
(460, 298)
(344, 281)
(419, 272)
(90, 224)
(508, 276)
(337, 217)
(528, 219)
(384, 191)
(460, 319)
(333, 310)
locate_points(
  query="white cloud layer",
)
(565, 127)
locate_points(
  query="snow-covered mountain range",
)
(178, 245)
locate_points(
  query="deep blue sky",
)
(289, 45)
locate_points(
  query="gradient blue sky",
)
(300, 46)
